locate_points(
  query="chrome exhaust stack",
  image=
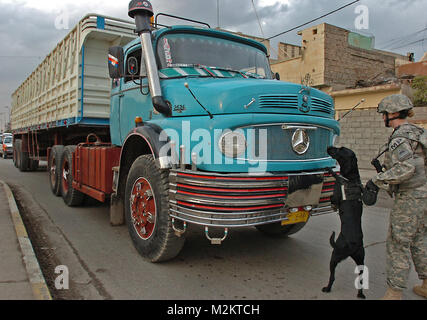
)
(142, 11)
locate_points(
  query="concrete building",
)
(333, 59)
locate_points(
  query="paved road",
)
(247, 266)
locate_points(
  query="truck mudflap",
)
(242, 200)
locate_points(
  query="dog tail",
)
(332, 241)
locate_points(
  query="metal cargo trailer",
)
(72, 86)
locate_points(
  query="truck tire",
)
(24, 162)
(14, 154)
(34, 165)
(71, 196)
(147, 211)
(54, 170)
(17, 153)
(278, 231)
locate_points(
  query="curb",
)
(37, 281)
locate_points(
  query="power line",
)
(259, 21)
(399, 40)
(304, 24)
(23, 57)
(262, 31)
(407, 44)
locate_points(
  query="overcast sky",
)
(28, 32)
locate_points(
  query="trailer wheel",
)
(17, 153)
(147, 211)
(71, 196)
(278, 231)
(54, 170)
(34, 165)
(24, 159)
(14, 154)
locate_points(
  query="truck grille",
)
(292, 102)
(289, 101)
(235, 200)
(322, 106)
(279, 146)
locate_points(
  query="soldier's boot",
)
(392, 294)
(422, 289)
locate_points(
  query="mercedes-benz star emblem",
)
(300, 141)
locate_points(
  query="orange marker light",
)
(138, 121)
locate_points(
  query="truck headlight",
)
(233, 144)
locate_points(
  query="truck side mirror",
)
(277, 76)
(116, 62)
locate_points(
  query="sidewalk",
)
(20, 275)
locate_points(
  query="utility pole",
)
(7, 119)
(3, 121)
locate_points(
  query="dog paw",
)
(361, 296)
(326, 289)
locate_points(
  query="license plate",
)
(296, 217)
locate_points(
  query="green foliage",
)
(419, 84)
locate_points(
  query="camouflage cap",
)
(395, 103)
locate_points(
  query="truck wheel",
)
(17, 153)
(54, 170)
(34, 165)
(71, 196)
(24, 159)
(147, 211)
(278, 231)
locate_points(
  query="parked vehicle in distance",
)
(6, 146)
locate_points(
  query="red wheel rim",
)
(65, 176)
(143, 208)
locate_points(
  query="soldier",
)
(404, 176)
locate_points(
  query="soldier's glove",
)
(370, 194)
(371, 186)
(376, 163)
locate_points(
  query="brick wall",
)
(345, 64)
(364, 132)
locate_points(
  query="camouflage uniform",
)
(405, 177)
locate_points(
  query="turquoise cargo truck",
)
(201, 132)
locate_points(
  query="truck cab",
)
(194, 129)
(234, 147)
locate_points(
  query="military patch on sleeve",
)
(396, 143)
(403, 154)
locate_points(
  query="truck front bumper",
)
(241, 200)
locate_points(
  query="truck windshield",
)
(8, 140)
(217, 53)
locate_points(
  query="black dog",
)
(347, 198)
